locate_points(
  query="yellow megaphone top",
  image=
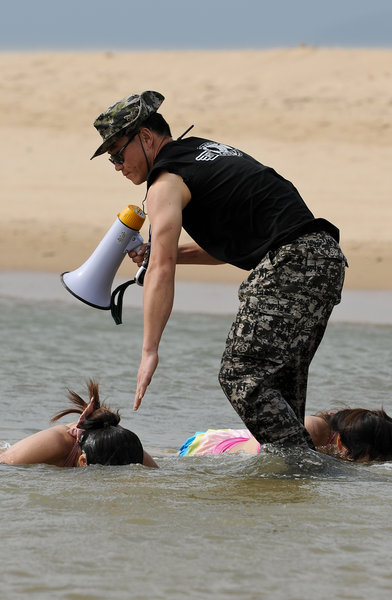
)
(132, 216)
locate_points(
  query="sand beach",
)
(321, 117)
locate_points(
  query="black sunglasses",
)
(117, 158)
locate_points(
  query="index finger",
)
(138, 397)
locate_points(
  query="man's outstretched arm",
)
(165, 201)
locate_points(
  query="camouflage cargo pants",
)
(284, 308)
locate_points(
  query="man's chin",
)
(134, 180)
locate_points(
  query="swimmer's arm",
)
(48, 446)
(148, 460)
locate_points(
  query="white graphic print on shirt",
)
(213, 150)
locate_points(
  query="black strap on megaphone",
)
(116, 307)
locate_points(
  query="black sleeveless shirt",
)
(239, 208)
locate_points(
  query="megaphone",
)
(92, 282)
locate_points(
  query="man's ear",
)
(82, 460)
(146, 135)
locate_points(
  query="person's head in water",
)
(101, 439)
(362, 435)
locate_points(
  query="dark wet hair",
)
(367, 434)
(103, 440)
(111, 445)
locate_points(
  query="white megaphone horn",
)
(92, 282)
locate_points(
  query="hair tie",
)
(86, 413)
(76, 431)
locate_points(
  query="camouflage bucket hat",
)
(124, 117)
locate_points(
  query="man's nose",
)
(118, 166)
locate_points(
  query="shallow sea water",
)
(273, 526)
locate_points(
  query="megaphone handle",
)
(134, 243)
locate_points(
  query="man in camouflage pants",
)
(241, 212)
(285, 304)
